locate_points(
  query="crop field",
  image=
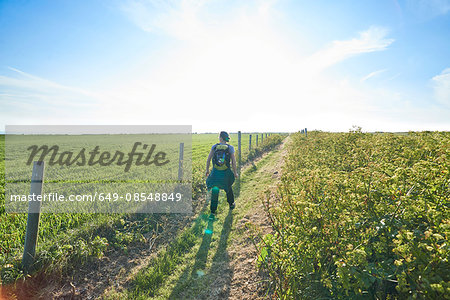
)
(361, 216)
(69, 239)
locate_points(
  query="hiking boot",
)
(232, 205)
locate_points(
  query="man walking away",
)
(223, 172)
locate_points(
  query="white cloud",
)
(441, 85)
(371, 40)
(372, 74)
(27, 98)
(22, 83)
(182, 19)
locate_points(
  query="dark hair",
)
(224, 135)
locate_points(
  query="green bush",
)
(362, 216)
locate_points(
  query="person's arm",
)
(208, 161)
(233, 164)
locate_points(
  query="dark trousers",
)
(215, 198)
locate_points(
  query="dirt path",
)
(223, 265)
(246, 282)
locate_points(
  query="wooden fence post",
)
(249, 143)
(34, 210)
(262, 138)
(180, 162)
(239, 153)
(306, 132)
(256, 140)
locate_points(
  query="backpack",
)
(221, 157)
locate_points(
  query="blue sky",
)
(227, 65)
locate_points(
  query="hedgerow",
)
(361, 215)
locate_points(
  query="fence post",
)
(180, 162)
(239, 153)
(256, 140)
(262, 138)
(249, 143)
(34, 210)
(306, 132)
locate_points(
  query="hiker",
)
(223, 172)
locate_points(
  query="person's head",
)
(224, 136)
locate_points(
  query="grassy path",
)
(213, 259)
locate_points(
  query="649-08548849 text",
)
(108, 197)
